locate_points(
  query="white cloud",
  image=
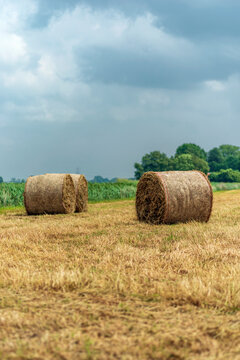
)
(215, 85)
(48, 74)
(85, 28)
(14, 14)
(13, 49)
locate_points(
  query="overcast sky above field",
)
(96, 84)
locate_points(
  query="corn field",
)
(11, 194)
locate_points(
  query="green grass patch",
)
(8, 209)
(220, 186)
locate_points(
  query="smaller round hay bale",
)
(174, 196)
(50, 194)
(81, 188)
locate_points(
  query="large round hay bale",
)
(81, 189)
(174, 196)
(50, 194)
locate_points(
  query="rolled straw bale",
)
(81, 188)
(174, 196)
(50, 194)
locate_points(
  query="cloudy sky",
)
(94, 85)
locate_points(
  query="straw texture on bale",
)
(174, 196)
(50, 194)
(81, 189)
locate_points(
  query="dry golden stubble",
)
(101, 285)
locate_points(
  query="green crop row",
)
(11, 194)
(220, 186)
(111, 191)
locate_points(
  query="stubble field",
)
(100, 285)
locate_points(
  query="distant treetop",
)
(190, 156)
(192, 149)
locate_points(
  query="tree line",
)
(13, 180)
(222, 162)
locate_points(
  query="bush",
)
(227, 175)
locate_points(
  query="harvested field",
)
(101, 285)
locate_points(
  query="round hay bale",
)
(50, 194)
(174, 196)
(81, 189)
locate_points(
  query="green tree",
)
(232, 162)
(1, 179)
(154, 161)
(192, 149)
(200, 164)
(215, 159)
(138, 171)
(224, 157)
(186, 162)
(183, 162)
(229, 150)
